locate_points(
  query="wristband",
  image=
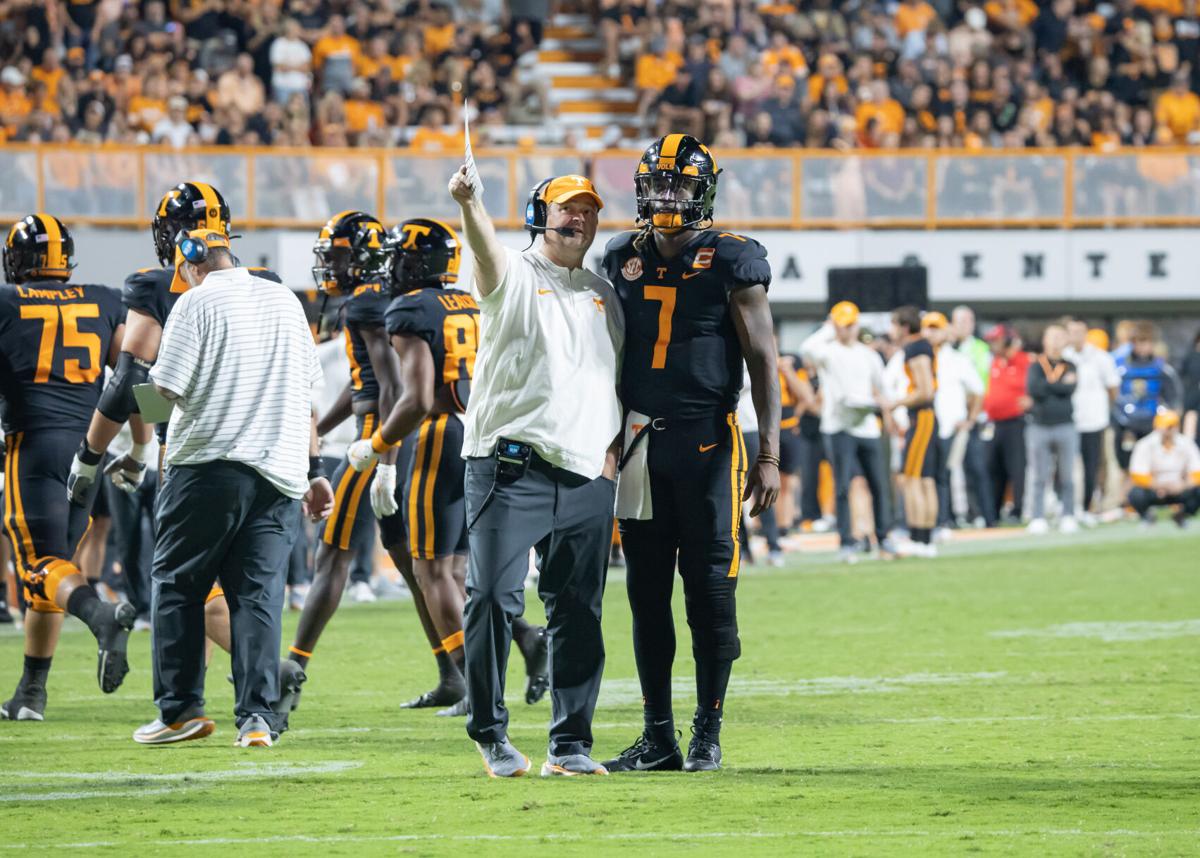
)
(316, 468)
(87, 455)
(379, 445)
(769, 457)
(137, 452)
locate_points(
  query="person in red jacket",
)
(1005, 404)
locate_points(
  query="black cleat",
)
(704, 752)
(647, 755)
(446, 694)
(28, 704)
(537, 658)
(5, 615)
(112, 638)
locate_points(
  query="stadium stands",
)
(823, 74)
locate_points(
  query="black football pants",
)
(697, 475)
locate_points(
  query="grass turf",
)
(1020, 697)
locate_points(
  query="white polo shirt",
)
(956, 379)
(238, 352)
(548, 363)
(850, 378)
(1151, 458)
(1097, 372)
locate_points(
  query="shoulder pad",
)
(746, 258)
(149, 277)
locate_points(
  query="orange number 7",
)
(665, 294)
(72, 337)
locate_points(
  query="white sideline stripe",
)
(617, 691)
(1109, 632)
(84, 794)
(957, 833)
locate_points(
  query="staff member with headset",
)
(238, 360)
(540, 441)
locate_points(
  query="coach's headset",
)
(193, 246)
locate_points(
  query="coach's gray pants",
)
(219, 520)
(569, 520)
(1048, 446)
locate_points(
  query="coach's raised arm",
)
(541, 463)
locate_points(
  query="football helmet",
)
(349, 252)
(38, 246)
(187, 206)
(423, 252)
(676, 184)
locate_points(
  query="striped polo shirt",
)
(238, 352)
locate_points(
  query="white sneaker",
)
(361, 592)
(941, 534)
(775, 559)
(1038, 526)
(297, 596)
(1088, 519)
(1068, 525)
(822, 525)
(930, 551)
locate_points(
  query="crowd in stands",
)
(245, 72)
(912, 73)
(819, 73)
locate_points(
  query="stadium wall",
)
(1040, 271)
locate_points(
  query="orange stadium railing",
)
(782, 189)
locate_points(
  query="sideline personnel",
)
(540, 443)
(238, 359)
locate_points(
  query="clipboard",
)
(155, 407)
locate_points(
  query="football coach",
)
(238, 360)
(542, 427)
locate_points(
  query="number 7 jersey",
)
(54, 344)
(448, 321)
(682, 354)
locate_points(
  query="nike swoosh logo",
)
(643, 766)
(704, 448)
(545, 291)
(692, 274)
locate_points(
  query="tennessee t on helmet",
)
(423, 252)
(349, 252)
(676, 183)
(38, 246)
(187, 206)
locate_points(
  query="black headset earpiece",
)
(536, 209)
(193, 250)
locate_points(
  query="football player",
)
(351, 261)
(434, 330)
(695, 302)
(55, 340)
(918, 476)
(149, 295)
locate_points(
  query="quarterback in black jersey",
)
(55, 340)
(695, 303)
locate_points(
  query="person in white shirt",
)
(291, 64)
(1165, 470)
(1095, 393)
(238, 361)
(956, 404)
(853, 389)
(541, 439)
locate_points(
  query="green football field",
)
(1024, 696)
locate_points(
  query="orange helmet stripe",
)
(670, 146)
(211, 204)
(54, 242)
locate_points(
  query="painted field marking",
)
(1110, 632)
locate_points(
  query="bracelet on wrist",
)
(769, 457)
(316, 468)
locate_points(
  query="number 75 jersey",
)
(682, 354)
(54, 343)
(448, 321)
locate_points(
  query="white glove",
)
(383, 491)
(128, 471)
(361, 454)
(81, 477)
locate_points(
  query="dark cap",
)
(999, 332)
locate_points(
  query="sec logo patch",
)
(633, 268)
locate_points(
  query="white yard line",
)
(1110, 632)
